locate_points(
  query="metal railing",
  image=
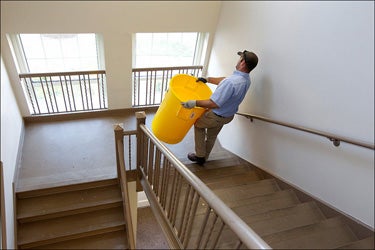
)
(190, 214)
(61, 92)
(151, 84)
(333, 138)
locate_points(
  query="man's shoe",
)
(198, 160)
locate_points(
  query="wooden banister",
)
(121, 173)
(150, 166)
(74, 73)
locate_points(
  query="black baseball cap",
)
(251, 59)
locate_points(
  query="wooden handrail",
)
(334, 138)
(92, 72)
(121, 173)
(166, 68)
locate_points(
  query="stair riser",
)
(111, 240)
(63, 189)
(37, 244)
(70, 212)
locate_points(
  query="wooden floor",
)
(67, 152)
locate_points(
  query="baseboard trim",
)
(85, 114)
(19, 155)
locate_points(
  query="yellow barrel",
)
(172, 121)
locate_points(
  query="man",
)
(222, 105)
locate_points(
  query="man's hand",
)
(201, 79)
(189, 104)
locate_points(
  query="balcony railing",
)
(151, 84)
(61, 92)
(64, 92)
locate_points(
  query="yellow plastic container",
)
(172, 121)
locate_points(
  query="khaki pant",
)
(206, 129)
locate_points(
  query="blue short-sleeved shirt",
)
(230, 93)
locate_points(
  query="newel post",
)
(141, 119)
(119, 136)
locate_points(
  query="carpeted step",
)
(366, 243)
(111, 240)
(206, 174)
(283, 219)
(269, 222)
(232, 180)
(255, 188)
(65, 188)
(70, 227)
(330, 233)
(71, 202)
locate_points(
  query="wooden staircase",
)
(276, 214)
(90, 215)
(80, 216)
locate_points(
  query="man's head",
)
(251, 60)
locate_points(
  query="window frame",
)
(199, 54)
(21, 60)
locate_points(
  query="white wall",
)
(115, 20)
(11, 131)
(316, 69)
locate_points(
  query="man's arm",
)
(209, 104)
(215, 80)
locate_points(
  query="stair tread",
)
(275, 220)
(249, 190)
(252, 206)
(72, 200)
(266, 200)
(265, 206)
(220, 160)
(366, 243)
(65, 188)
(329, 233)
(112, 240)
(258, 204)
(232, 180)
(282, 219)
(232, 191)
(70, 225)
(204, 173)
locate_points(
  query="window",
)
(169, 49)
(38, 53)
(61, 72)
(157, 57)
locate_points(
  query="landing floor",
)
(71, 151)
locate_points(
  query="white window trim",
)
(201, 46)
(20, 57)
(18, 53)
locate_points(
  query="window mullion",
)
(197, 49)
(19, 53)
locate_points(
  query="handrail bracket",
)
(335, 141)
